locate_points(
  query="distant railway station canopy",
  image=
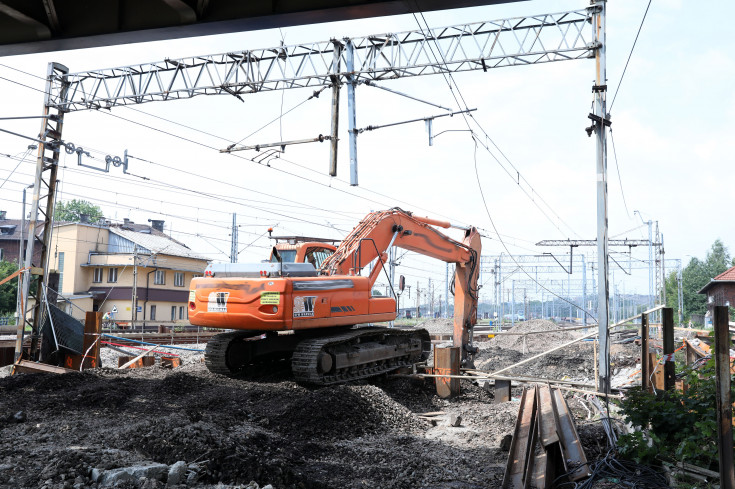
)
(34, 26)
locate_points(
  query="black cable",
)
(492, 222)
(630, 55)
(617, 167)
(449, 74)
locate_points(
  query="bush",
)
(675, 426)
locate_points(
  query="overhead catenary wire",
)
(630, 55)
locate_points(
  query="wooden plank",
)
(515, 468)
(127, 364)
(28, 367)
(724, 397)
(645, 364)
(667, 328)
(446, 362)
(90, 345)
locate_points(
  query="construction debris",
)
(545, 440)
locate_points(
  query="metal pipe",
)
(258, 147)
(372, 128)
(372, 84)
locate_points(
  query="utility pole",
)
(513, 304)
(233, 247)
(431, 289)
(446, 293)
(134, 301)
(600, 124)
(418, 301)
(584, 291)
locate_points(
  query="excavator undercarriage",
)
(342, 355)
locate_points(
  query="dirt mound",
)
(533, 342)
(438, 325)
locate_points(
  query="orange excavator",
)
(316, 316)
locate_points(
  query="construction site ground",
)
(78, 430)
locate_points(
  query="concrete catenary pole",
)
(335, 108)
(351, 117)
(584, 291)
(600, 91)
(234, 245)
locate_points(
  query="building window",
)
(1, 254)
(112, 275)
(173, 313)
(159, 278)
(178, 279)
(61, 271)
(97, 276)
(182, 312)
(153, 313)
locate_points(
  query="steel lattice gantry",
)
(482, 45)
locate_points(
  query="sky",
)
(672, 122)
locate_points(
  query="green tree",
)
(696, 275)
(72, 211)
(8, 289)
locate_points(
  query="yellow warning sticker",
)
(192, 295)
(272, 298)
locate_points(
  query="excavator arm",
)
(380, 230)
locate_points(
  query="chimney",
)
(84, 218)
(127, 222)
(2, 215)
(156, 224)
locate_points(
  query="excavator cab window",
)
(316, 256)
(288, 256)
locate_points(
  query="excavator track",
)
(358, 354)
(225, 354)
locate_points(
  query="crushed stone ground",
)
(270, 430)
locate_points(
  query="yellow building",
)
(133, 273)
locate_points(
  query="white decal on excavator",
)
(217, 302)
(303, 306)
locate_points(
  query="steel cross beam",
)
(593, 242)
(479, 46)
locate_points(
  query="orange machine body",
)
(285, 303)
(279, 297)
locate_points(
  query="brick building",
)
(720, 290)
(10, 236)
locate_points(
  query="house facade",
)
(11, 231)
(720, 291)
(134, 273)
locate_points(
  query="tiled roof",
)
(14, 224)
(726, 275)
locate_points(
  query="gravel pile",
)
(148, 427)
(535, 342)
(438, 325)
